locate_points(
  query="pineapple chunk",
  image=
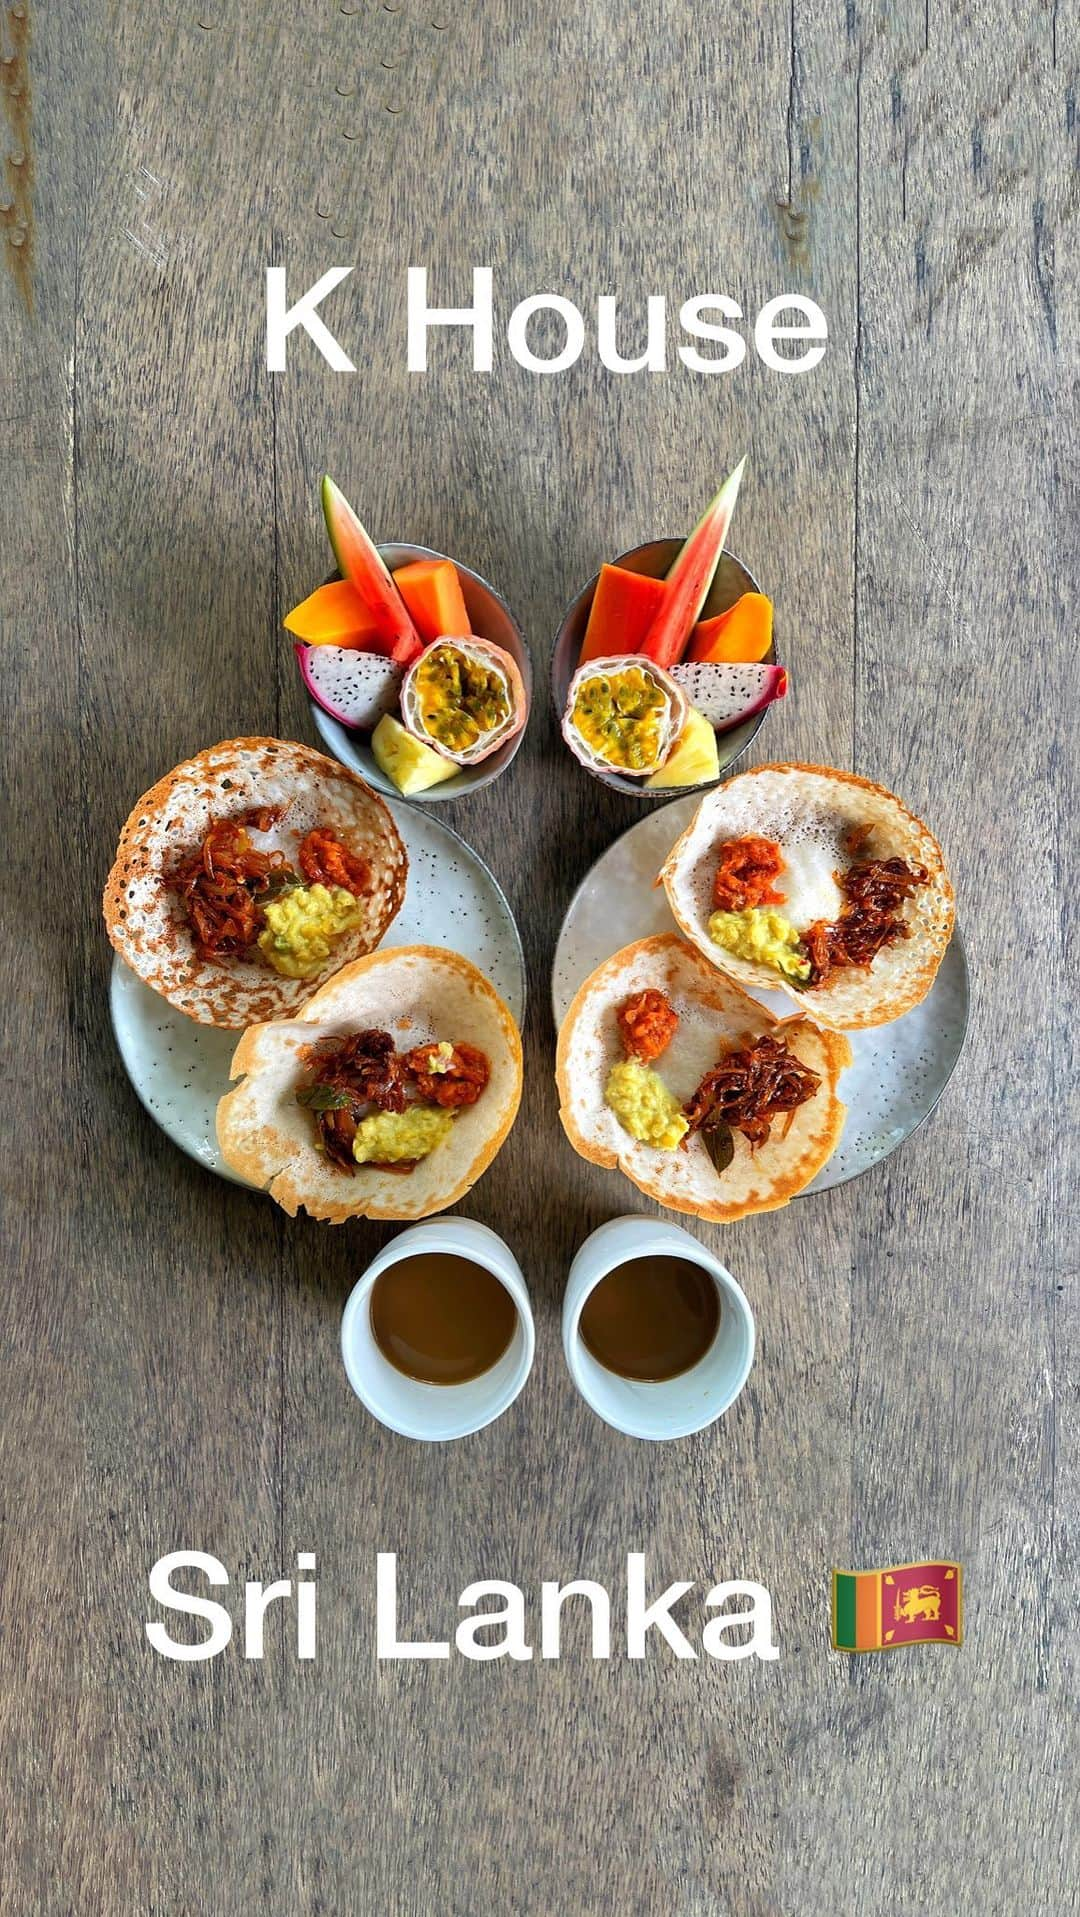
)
(411, 764)
(694, 759)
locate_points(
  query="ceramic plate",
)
(180, 1070)
(899, 1070)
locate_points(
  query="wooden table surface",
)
(171, 1373)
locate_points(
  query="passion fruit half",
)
(464, 697)
(624, 714)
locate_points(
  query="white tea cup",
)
(437, 1412)
(695, 1398)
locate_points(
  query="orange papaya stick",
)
(624, 606)
(333, 615)
(432, 593)
(740, 636)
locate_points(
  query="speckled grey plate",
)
(899, 1070)
(180, 1070)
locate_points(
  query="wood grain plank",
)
(964, 189)
(147, 1409)
(41, 1460)
(1059, 275)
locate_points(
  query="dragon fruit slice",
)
(623, 714)
(729, 694)
(356, 688)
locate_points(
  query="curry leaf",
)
(322, 1098)
(719, 1141)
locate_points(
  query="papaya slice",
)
(625, 605)
(336, 615)
(433, 597)
(333, 615)
(740, 636)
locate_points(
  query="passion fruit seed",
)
(621, 717)
(459, 699)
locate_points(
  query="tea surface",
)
(440, 1318)
(651, 1319)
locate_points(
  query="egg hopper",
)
(815, 814)
(898, 1071)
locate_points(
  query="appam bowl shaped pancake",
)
(811, 811)
(147, 922)
(421, 995)
(715, 1016)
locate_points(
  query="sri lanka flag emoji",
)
(904, 1604)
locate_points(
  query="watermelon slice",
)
(691, 577)
(359, 561)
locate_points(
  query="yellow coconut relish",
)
(459, 698)
(303, 924)
(763, 936)
(622, 717)
(643, 1105)
(396, 1138)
